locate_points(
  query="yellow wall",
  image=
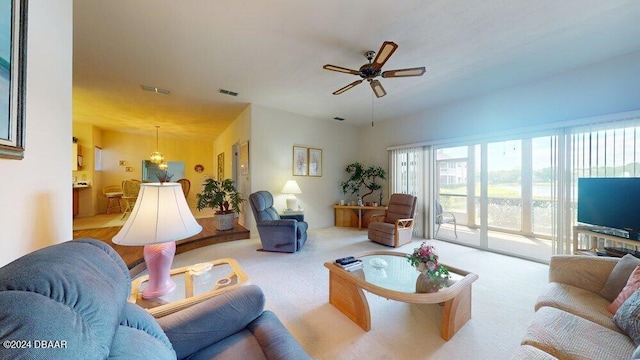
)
(235, 134)
(88, 138)
(133, 149)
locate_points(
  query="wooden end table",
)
(194, 284)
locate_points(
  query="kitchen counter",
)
(76, 196)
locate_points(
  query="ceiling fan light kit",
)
(373, 69)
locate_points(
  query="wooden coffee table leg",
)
(456, 313)
(350, 300)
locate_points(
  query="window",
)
(98, 158)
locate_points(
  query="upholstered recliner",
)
(277, 233)
(69, 301)
(395, 226)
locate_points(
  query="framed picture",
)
(315, 162)
(244, 158)
(300, 161)
(221, 166)
(13, 54)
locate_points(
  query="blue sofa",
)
(69, 301)
(277, 233)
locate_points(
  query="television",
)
(612, 204)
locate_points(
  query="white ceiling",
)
(272, 53)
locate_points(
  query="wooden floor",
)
(132, 255)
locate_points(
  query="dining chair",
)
(186, 186)
(113, 193)
(130, 190)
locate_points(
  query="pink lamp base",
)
(159, 258)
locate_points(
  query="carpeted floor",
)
(296, 287)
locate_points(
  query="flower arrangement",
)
(425, 260)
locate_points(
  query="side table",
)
(292, 214)
(194, 284)
(356, 216)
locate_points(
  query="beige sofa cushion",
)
(567, 336)
(528, 352)
(577, 301)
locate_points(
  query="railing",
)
(503, 213)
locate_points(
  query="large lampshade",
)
(161, 214)
(160, 217)
(291, 187)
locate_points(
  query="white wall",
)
(607, 87)
(273, 135)
(36, 192)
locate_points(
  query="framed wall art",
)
(244, 158)
(221, 166)
(300, 161)
(315, 162)
(13, 54)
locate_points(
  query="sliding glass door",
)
(500, 194)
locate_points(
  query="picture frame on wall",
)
(300, 161)
(221, 166)
(13, 51)
(244, 158)
(315, 162)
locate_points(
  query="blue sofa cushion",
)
(206, 323)
(136, 328)
(76, 293)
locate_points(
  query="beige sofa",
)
(571, 319)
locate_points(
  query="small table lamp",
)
(291, 188)
(160, 217)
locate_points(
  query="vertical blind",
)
(408, 177)
(604, 149)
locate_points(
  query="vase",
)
(428, 284)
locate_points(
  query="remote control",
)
(345, 260)
(348, 262)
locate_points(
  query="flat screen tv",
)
(612, 203)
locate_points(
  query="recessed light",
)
(155, 89)
(227, 92)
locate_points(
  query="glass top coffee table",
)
(194, 284)
(390, 275)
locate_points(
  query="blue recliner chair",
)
(277, 233)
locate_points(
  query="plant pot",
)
(225, 221)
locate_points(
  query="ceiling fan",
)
(374, 69)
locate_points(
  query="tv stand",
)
(596, 242)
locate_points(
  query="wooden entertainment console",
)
(593, 243)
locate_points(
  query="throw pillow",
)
(628, 317)
(633, 284)
(619, 276)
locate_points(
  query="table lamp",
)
(160, 217)
(291, 188)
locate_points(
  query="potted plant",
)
(220, 195)
(359, 177)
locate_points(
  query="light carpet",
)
(296, 288)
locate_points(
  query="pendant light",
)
(156, 156)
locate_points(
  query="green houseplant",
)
(223, 197)
(360, 177)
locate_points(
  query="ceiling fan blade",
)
(341, 90)
(385, 52)
(378, 89)
(340, 69)
(419, 71)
